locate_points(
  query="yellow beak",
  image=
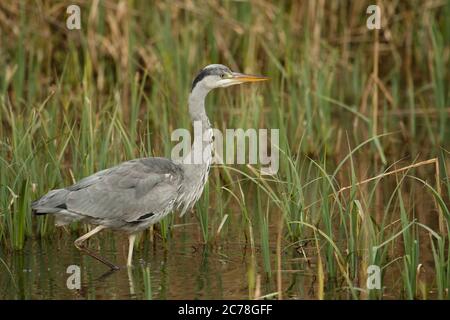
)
(241, 77)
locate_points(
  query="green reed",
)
(116, 89)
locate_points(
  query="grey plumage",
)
(137, 193)
(119, 197)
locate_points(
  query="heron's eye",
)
(222, 75)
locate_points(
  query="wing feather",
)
(128, 191)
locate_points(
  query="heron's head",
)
(220, 76)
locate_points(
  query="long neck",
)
(197, 162)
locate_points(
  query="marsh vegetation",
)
(364, 146)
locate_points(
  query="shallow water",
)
(183, 268)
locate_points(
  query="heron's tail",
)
(52, 202)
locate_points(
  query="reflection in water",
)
(179, 269)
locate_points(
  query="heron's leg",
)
(131, 239)
(131, 281)
(80, 246)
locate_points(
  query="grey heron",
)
(138, 193)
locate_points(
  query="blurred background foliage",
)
(350, 103)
